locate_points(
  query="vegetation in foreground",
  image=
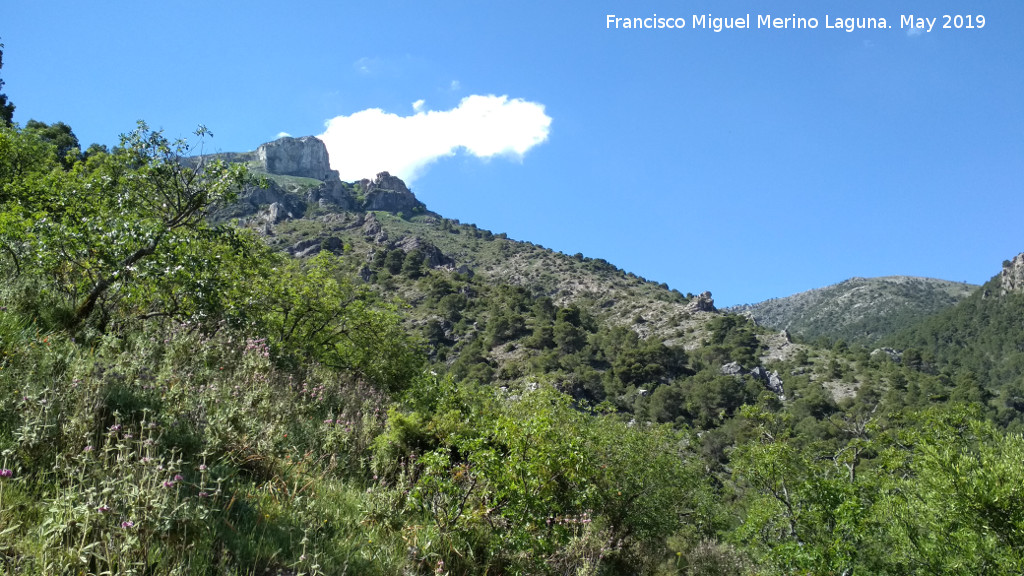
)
(176, 398)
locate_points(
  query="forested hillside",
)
(858, 310)
(211, 368)
(981, 339)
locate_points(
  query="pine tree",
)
(6, 108)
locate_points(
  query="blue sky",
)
(752, 163)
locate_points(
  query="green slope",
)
(858, 310)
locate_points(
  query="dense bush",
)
(177, 398)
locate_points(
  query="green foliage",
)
(293, 399)
(123, 235)
(938, 495)
(318, 315)
(732, 339)
(516, 483)
(860, 311)
(981, 341)
(61, 137)
(959, 511)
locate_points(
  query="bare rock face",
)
(895, 355)
(388, 193)
(775, 384)
(1011, 278)
(433, 257)
(313, 246)
(731, 369)
(332, 193)
(306, 157)
(702, 303)
(771, 380)
(371, 226)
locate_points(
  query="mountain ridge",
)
(863, 310)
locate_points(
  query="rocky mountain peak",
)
(702, 303)
(1011, 277)
(306, 157)
(389, 193)
(385, 181)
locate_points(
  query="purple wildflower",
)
(127, 524)
(6, 472)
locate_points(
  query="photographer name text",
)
(909, 22)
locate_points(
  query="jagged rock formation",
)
(771, 380)
(286, 158)
(306, 157)
(388, 193)
(333, 193)
(702, 303)
(1011, 277)
(314, 246)
(371, 227)
(253, 197)
(432, 256)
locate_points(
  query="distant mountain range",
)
(862, 310)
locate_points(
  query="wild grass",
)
(178, 452)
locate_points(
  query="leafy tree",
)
(568, 331)
(958, 507)
(318, 315)
(712, 397)
(394, 260)
(667, 404)
(505, 326)
(60, 136)
(414, 265)
(108, 235)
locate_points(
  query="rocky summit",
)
(306, 157)
(1011, 277)
(388, 193)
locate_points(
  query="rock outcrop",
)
(895, 355)
(1011, 277)
(333, 193)
(272, 201)
(306, 157)
(433, 257)
(371, 227)
(771, 380)
(702, 303)
(314, 246)
(388, 193)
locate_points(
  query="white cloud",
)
(282, 135)
(915, 31)
(371, 141)
(365, 65)
(417, 106)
